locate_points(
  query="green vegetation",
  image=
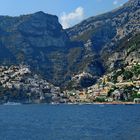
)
(100, 99)
(127, 75)
(85, 36)
(116, 74)
(135, 95)
(136, 69)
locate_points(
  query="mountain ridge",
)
(39, 40)
(96, 60)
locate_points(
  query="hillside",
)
(37, 40)
(106, 30)
(108, 37)
(19, 84)
(95, 46)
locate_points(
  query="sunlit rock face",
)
(106, 33)
(106, 30)
(38, 40)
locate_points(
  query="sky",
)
(70, 12)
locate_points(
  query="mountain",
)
(107, 29)
(58, 55)
(37, 40)
(109, 36)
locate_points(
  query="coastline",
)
(116, 103)
(76, 103)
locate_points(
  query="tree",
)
(127, 75)
(136, 70)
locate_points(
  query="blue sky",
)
(70, 12)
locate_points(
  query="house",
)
(82, 96)
(124, 84)
(137, 100)
(72, 99)
(109, 99)
(116, 94)
(138, 92)
(119, 79)
(104, 91)
(8, 85)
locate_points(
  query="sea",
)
(69, 122)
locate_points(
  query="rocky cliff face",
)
(39, 41)
(103, 35)
(126, 53)
(106, 30)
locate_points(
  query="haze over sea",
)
(70, 122)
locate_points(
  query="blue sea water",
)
(70, 122)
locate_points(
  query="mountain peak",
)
(40, 13)
(43, 14)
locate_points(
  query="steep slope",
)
(103, 37)
(37, 40)
(107, 29)
(126, 53)
(19, 84)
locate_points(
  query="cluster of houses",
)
(107, 90)
(39, 90)
(101, 91)
(11, 76)
(21, 79)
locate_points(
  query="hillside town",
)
(120, 86)
(19, 84)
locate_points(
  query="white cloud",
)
(72, 18)
(115, 2)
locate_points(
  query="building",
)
(137, 100)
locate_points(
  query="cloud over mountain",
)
(72, 18)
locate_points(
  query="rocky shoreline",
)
(95, 103)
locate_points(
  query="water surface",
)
(70, 122)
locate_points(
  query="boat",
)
(12, 103)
